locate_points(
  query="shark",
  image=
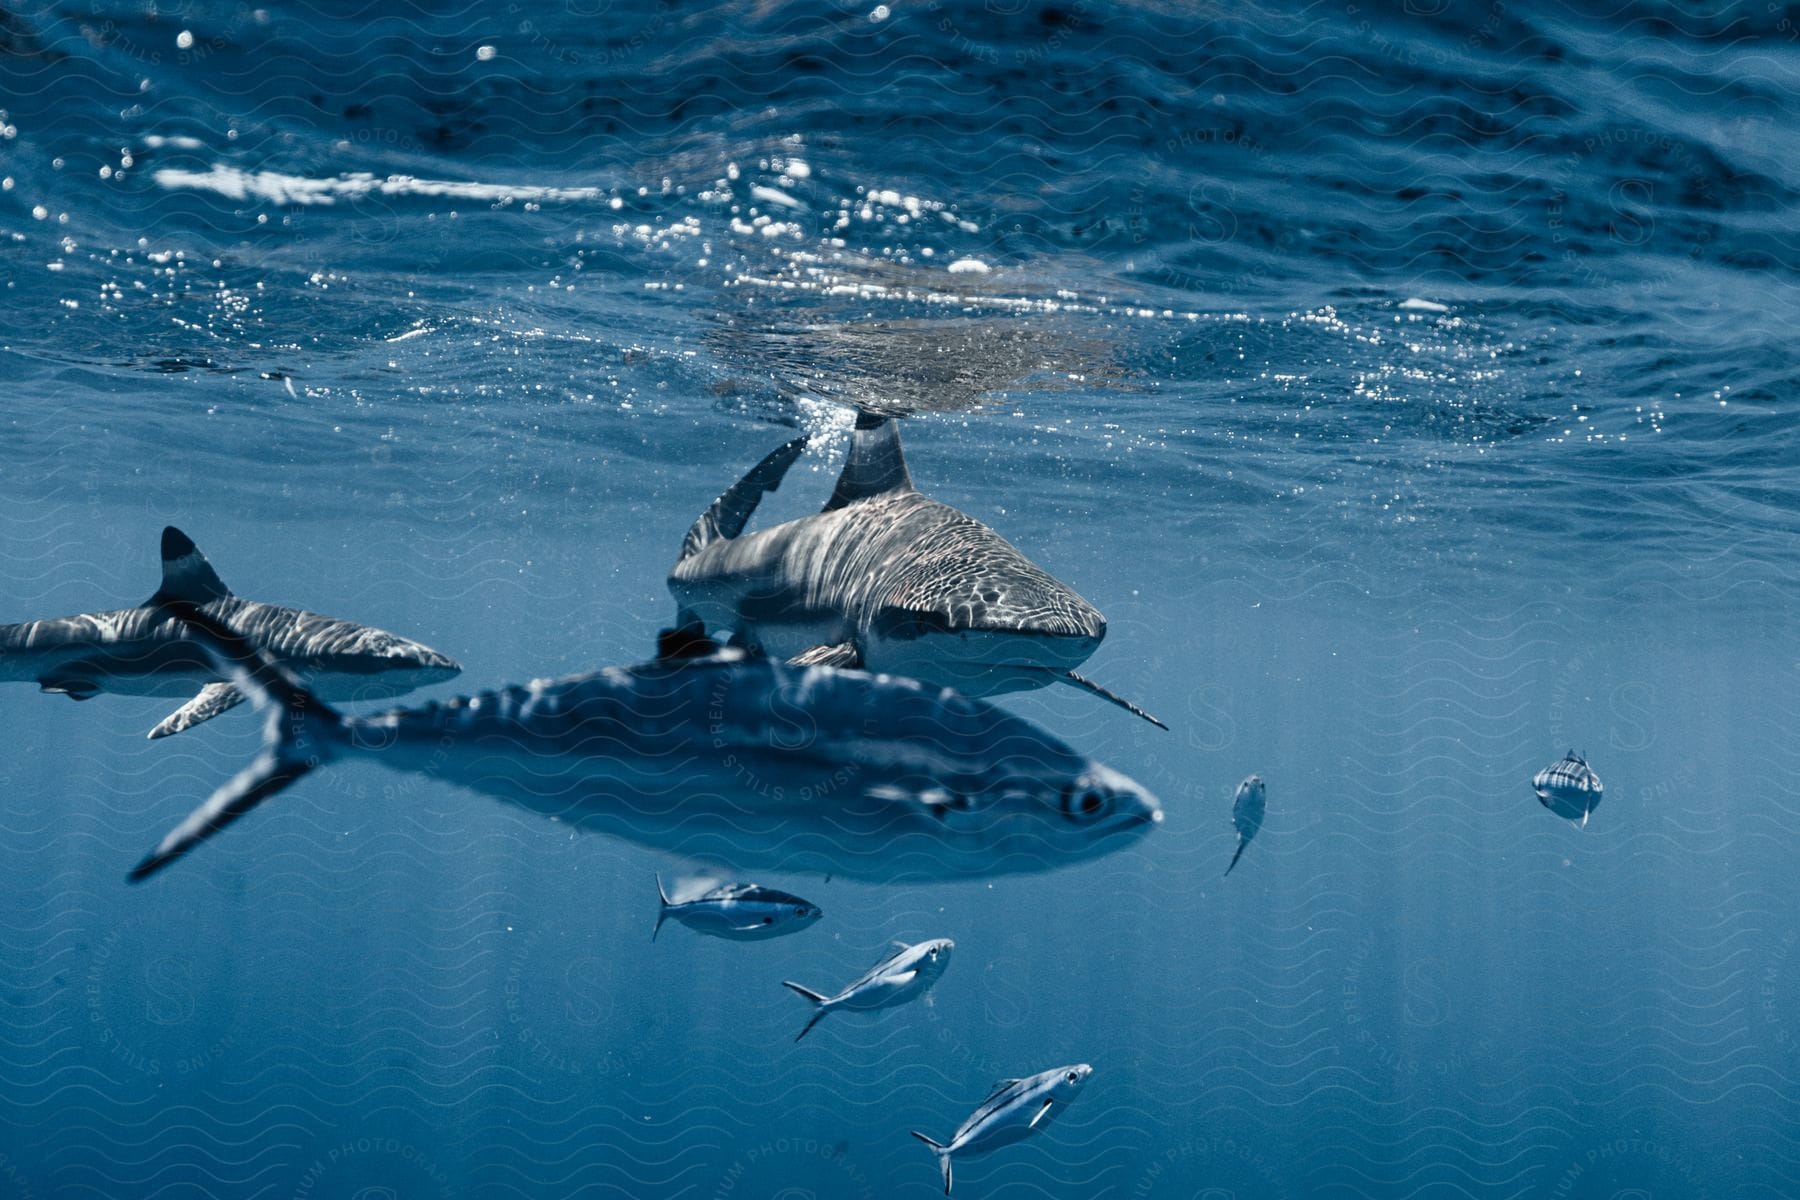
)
(143, 652)
(715, 755)
(884, 578)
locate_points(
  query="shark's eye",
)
(1085, 804)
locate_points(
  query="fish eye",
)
(1084, 804)
(1072, 1077)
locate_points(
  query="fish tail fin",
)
(819, 1010)
(662, 907)
(1242, 842)
(732, 511)
(943, 1157)
(301, 733)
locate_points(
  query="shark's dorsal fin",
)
(731, 512)
(875, 465)
(186, 573)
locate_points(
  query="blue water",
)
(1412, 389)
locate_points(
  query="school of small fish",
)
(903, 775)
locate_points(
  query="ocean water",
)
(1411, 387)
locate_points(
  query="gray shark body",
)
(143, 652)
(723, 758)
(884, 578)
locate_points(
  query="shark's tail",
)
(662, 908)
(943, 1157)
(819, 1009)
(300, 733)
(1242, 842)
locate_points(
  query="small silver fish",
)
(1016, 1109)
(904, 975)
(1569, 788)
(1247, 810)
(740, 912)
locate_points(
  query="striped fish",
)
(738, 912)
(1569, 788)
(906, 974)
(1015, 1110)
(1247, 809)
(720, 757)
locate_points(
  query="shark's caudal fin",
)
(1242, 842)
(186, 573)
(1087, 684)
(875, 464)
(662, 908)
(943, 1156)
(731, 512)
(818, 1012)
(301, 733)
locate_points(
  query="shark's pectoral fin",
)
(1128, 706)
(186, 573)
(875, 464)
(731, 512)
(213, 699)
(1041, 1113)
(843, 654)
(75, 688)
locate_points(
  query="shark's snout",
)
(425, 659)
(1082, 627)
